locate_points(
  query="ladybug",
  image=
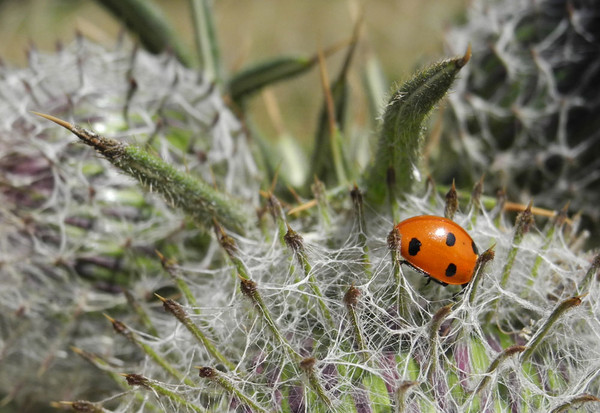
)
(439, 248)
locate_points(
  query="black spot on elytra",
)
(414, 246)
(474, 248)
(450, 239)
(450, 270)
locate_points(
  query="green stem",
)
(575, 403)
(451, 202)
(205, 37)
(169, 266)
(308, 366)
(434, 328)
(80, 406)
(296, 244)
(329, 142)
(556, 223)
(401, 394)
(277, 212)
(125, 331)
(223, 381)
(496, 363)
(229, 246)
(591, 273)
(524, 222)
(141, 313)
(351, 300)
(104, 366)
(139, 380)
(403, 299)
(361, 227)
(146, 21)
(476, 202)
(320, 194)
(482, 260)
(179, 313)
(250, 290)
(522, 225)
(535, 341)
(196, 198)
(400, 144)
(292, 240)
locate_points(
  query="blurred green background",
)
(402, 34)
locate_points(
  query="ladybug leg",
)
(443, 284)
(461, 292)
(429, 278)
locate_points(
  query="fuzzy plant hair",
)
(526, 109)
(153, 259)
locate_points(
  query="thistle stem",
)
(320, 194)
(169, 266)
(250, 290)
(205, 37)
(400, 143)
(296, 244)
(482, 260)
(535, 341)
(141, 313)
(361, 228)
(351, 300)
(277, 212)
(475, 202)
(80, 406)
(104, 366)
(181, 315)
(401, 394)
(575, 402)
(434, 328)
(195, 197)
(556, 223)
(522, 225)
(402, 297)
(496, 363)
(139, 380)
(308, 366)
(592, 272)
(223, 381)
(451, 202)
(122, 329)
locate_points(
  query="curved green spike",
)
(256, 77)
(147, 22)
(396, 164)
(200, 201)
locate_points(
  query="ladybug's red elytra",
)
(439, 248)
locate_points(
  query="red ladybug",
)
(439, 248)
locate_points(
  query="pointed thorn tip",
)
(54, 119)
(466, 57)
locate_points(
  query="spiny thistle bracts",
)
(527, 108)
(323, 319)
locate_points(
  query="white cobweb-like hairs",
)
(441, 366)
(65, 212)
(73, 229)
(523, 106)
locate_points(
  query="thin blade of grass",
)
(329, 136)
(207, 46)
(265, 73)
